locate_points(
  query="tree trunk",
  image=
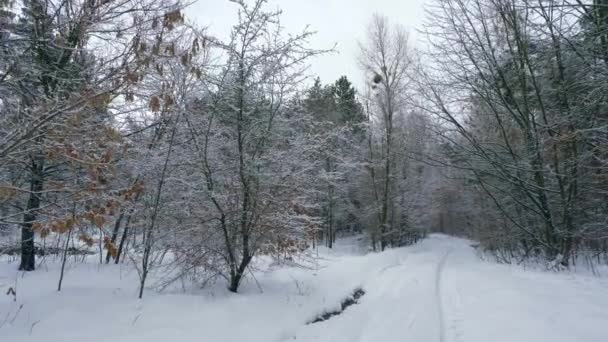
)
(115, 235)
(123, 240)
(237, 276)
(235, 280)
(64, 259)
(28, 256)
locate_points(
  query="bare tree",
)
(385, 59)
(507, 80)
(65, 64)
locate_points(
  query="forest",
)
(130, 135)
(150, 168)
(124, 126)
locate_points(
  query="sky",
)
(342, 23)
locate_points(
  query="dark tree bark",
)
(28, 257)
(115, 235)
(64, 258)
(123, 239)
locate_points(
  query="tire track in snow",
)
(440, 310)
(399, 263)
(457, 320)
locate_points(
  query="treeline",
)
(127, 129)
(518, 88)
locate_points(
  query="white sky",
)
(341, 22)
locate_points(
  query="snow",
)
(437, 290)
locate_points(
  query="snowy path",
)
(440, 291)
(435, 291)
(403, 301)
(438, 296)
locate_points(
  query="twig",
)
(135, 319)
(256, 280)
(33, 325)
(16, 314)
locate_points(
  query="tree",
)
(58, 79)
(241, 154)
(385, 59)
(351, 111)
(339, 120)
(510, 92)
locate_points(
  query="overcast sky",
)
(341, 22)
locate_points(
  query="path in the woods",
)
(439, 290)
(403, 300)
(435, 291)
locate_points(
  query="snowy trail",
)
(403, 301)
(439, 290)
(508, 303)
(438, 296)
(435, 291)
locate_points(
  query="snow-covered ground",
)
(436, 291)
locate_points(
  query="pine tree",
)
(351, 111)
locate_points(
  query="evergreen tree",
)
(350, 110)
